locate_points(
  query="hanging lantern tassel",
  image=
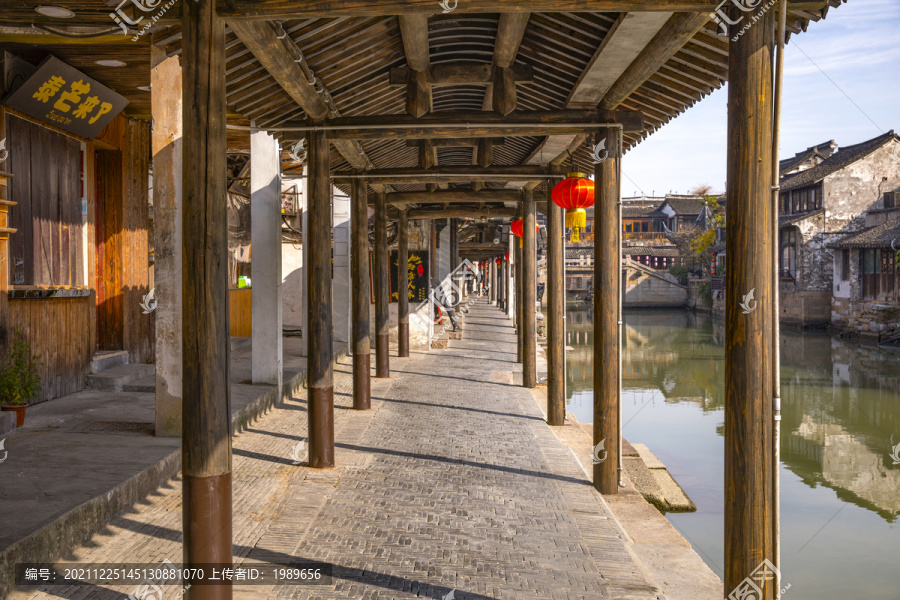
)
(576, 219)
(574, 194)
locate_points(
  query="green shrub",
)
(19, 378)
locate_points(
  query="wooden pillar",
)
(454, 243)
(607, 281)
(382, 290)
(359, 277)
(517, 282)
(5, 204)
(206, 429)
(492, 280)
(403, 286)
(511, 295)
(499, 282)
(319, 308)
(556, 314)
(166, 143)
(529, 291)
(748, 334)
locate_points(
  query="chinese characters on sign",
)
(417, 276)
(67, 98)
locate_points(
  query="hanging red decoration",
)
(574, 193)
(498, 262)
(517, 228)
(507, 256)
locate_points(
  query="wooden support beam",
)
(556, 312)
(427, 155)
(497, 171)
(504, 90)
(485, 154)
(607, 285)
(458, 124)
(206, 415)
(263, 43)
(403, 285)
(529, 291)
(461, 73)
(418, 94)
(414, 32)
(480, 247)
(510, 30)
(485, 213)
(359, 277)
(678, 30)
(466, 142)
(749, 506)
(260, 39)
(319, 306)
(289, 9)
(439, 197)
(382, 290)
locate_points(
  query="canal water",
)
(841, 421)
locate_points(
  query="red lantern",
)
(574, 193)
(507, 256)
(517, 228)
(498, 262)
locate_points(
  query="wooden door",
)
(108, 233)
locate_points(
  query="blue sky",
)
(857, 46)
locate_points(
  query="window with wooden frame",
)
(788, 252)
(845, 265)
(47, 251)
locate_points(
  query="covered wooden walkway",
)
(435, 117)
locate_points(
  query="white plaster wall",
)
(292, 284)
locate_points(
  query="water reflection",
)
(840, 418)
(840, 402)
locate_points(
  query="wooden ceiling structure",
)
(342, 63)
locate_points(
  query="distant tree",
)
(696, 241)
(701, 190)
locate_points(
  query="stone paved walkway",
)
(452, 483)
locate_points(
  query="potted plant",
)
(19, 378)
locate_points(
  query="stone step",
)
(116, 378)
(147, 384)
(108, 359)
